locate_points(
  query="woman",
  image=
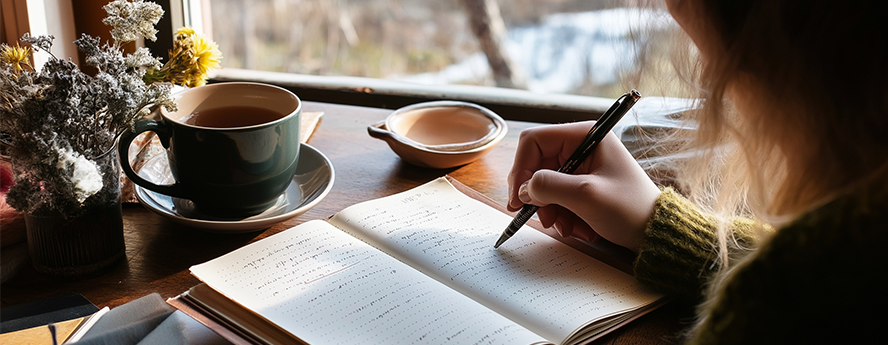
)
(794, 134)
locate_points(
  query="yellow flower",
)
(192, 57)
(15, 56)
(185, 31)
(206, 57)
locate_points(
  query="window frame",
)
(511, 104)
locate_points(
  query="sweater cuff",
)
(678, 251)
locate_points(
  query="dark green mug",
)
(232, 148)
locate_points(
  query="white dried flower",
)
(142, 58)
(43, 42)
(130, 20)
(84, 174)
(58, 121)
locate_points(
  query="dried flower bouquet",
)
(58, 120)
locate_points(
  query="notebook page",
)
(326, 287)
(533, 279)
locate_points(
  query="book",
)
(414, 267)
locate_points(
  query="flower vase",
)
(86, 243)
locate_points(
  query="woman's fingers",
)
(609, 192)
(614, 203)
(544, 147)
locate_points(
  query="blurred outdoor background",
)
(582, 47)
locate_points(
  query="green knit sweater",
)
(820, 279)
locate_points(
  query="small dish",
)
(441, 134)
(311, 183)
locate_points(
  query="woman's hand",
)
(609, 195)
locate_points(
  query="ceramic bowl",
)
(441, 134)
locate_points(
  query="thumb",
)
(548, 187)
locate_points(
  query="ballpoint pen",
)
(595, 135)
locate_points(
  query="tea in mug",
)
(232, 116)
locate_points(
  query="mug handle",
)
(126, 138)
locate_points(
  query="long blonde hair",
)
(795, 113)
(811, 80)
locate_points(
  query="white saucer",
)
(312, 182)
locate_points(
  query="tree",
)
(488, 26)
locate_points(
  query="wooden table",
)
(159, 252)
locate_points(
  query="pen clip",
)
(597, 133)
(607, 113)
(613, 107)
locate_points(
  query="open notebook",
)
(415, 267)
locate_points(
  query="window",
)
(574, 47)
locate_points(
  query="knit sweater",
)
(822, 278)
